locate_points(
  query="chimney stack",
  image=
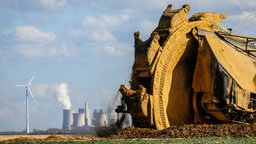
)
(87, 115)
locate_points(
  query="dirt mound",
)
(43, 138)
(67, 137)
(184, 131)
(56, 137)
(189, 131)
(21, 139)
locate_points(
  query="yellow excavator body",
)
(191, 70)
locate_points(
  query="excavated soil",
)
(189, 131)
(184, 131)
(43, 138)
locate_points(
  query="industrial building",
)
(78, 119)
(100, 119)
(82, 119)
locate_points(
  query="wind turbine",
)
(28, 91)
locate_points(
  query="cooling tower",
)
(81, 110)
(78, 120)
(67, 119)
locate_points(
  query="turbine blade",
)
(31, 93)
(30, 81)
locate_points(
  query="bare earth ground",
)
(184, 131)
(190, 131)
(45, 137)
(40, 138)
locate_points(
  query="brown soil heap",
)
(189, 131)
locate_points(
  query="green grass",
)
(211, 140)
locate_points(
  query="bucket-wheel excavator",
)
(191, 70)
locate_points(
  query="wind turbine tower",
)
(28, 92)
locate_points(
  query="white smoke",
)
(61, 93)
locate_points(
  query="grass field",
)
(211, 140)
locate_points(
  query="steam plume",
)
(61, 93)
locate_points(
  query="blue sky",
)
(87, 45)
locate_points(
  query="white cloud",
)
(101, 29)
(44, 51)
(101, 36)
(98, 29)
(76, 33)
(53, 4)
(112, 50)
(107, 21)
(110, 20)
(126, 14)
(103, 22)
(31, 50)
(248, 3)
(89, 21)
(40, 89)
(28, 41)
(30, 33)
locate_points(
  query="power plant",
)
(82, 119)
